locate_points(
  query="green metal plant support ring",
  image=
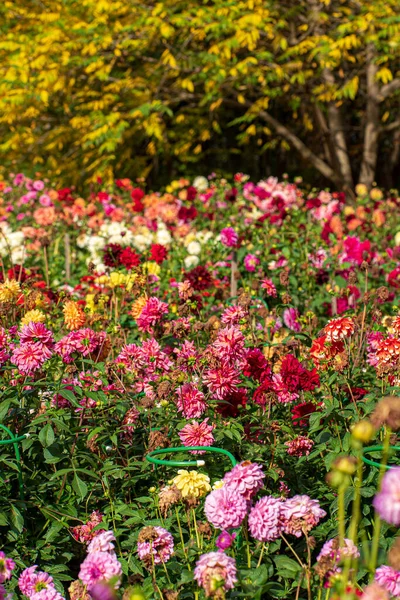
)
(373, 463)
(14, 440)
(186, 463)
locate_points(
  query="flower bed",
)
(260, 320)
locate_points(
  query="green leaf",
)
(46, 435)
(79, 486)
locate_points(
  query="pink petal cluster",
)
(31, 581)
(102, 543)
(225, 508)
(85, 533)
(197, 434)
(6, 567)
(213, 570)
(83, 341)
(375, 592)
(246, 478)
(222, 381)
(290, 319)
(230, 344)
(190, 401)
(233, 315)
(269, 287)
(229, 237)
(387, 501)
(152, 313)
(161, 548)
(299, 446)
(265, 519)
(389, 579)
(251, 262)
(225, 540)
(301, 514)
(49, 593)
(99, 566)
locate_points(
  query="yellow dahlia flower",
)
(9, 290)
(192, 483)
(151, 268)
(138, 306)
(33, 316)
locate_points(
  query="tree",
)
(99, 86)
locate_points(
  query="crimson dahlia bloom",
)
(158, 253)
(199, 278)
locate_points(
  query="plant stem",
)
(342, 517)
(377, 524)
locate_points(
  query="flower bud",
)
(363, 431)
(345, 464)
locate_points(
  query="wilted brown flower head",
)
(387, 412)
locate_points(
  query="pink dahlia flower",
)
(99, 566)
(300, 514)
(215, 570)
(6, 567)
(225, 508)
(245, 478)
(269, 287)
(197, 434)
(387, 501)
(375, 592)
(229, 237)
(299, 446)
(265, 522)
(389, 579)
(250, 262)
(230, 344)
(151, 314)
(190, 401)
(28, 357)
(222, 381)
(36, 332)
(290, 318)
(336, 555)
(233, 315)
(49, 593)
(161, 548)
(31, 581)
(102, 543)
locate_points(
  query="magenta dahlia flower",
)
(387, 501)
(162, 547)
(214, 571)
(190, 401)
(102, 543)
(265, 521)
(389, 579)
(246, 478)
(36, 332)
(225, 540)
(225, 508)
(197, 434)
(229, 237)
(300, 514)
(6, 567)
(251, 262)
(100, 566)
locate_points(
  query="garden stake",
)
(14, 440)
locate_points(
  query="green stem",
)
(342, 517)
(377, 524)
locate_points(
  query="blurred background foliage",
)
(149, 89)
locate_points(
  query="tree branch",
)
(388, 89)
(390, 126)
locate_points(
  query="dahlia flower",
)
(225, 540)
(99, 566)
(229, 237)
(245, 478)
(300, 514)
(74, 317)
(36, 333)
(157, 545)
(225, 508)
(233, 315)
(332, 551)
(339, 329)
(30, 357)
(265, 521)
(192, 483)
(151, 314)
(9, 290)
(222, 381)
(31, 581)
(190, 401)
(250, 262)
(375, 592)
(290, 319)
(6, 567)
(387, 500)
(214, 571)
(49, 593)
(102, 543)
(33, 316)
(299, 446)
(230, 344)
(197, 434)
(269, 287)
(389, 579)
